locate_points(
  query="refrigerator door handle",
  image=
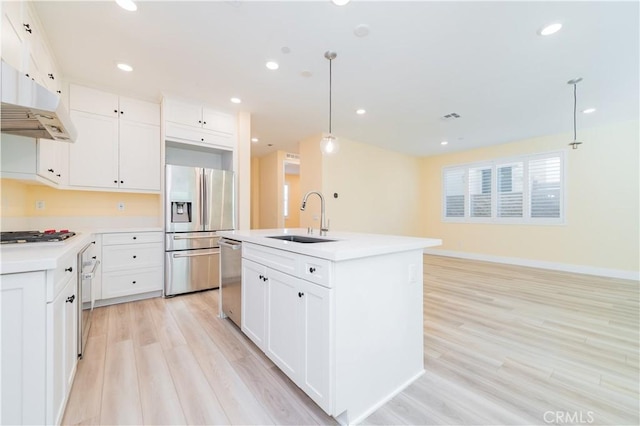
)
(194, 237)
(209, 253)
(205, 209)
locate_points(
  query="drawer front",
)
(279, 260)
(132, 238)
(67, 268)
(316, 270)
(131, 256)
(117, 284)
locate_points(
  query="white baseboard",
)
(555, 266)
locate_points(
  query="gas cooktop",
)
(18, 237)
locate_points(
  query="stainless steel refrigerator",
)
(198, 202)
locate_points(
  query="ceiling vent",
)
(450, 116)
(291, 156)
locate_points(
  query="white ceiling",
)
(420, 61)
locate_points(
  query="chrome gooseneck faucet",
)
(323, 227)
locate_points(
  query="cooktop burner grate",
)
(18, 237)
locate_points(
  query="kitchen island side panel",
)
(378, 331)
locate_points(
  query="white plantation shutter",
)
(527, 189)
(510, 189)
(545, 189)
(480, 192)
(454, 192)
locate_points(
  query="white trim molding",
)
(541, 264)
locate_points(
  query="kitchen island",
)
(341, 317)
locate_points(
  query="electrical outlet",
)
(40, 205)
(121, 206)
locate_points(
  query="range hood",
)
(30, 109)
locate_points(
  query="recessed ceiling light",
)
(127, 5)
(361, 111)
(254, 140)
(236, 100)
(588, 110)
(125, 67)
(340, 2)
(444, 143)
(550, 29)
(272, 65)
(361, 30)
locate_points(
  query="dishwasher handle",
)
(232, 244)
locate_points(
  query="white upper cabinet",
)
(52, 160)
(118, 145)
(24, 44)
(193, 123)
(13, 34)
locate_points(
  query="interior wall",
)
(19, 199)
(602, 203)
(311, 179)
(14, 198)
(378, 191)
(255, 192)
(295, 198)
(271, 188)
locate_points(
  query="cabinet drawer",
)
(279, 260)
(66, 269)
(316, 270)
(181, 133)
(132, 238)
(131, 256)
(116, 284)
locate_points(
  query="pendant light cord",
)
(575, 102)
(330, 61)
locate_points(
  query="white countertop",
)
(26, 257)
(346, 245)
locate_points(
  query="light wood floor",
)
(503, 345)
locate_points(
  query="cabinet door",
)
(86, 99)
(283, 322)
(93, 158)
(214, 120)
(254, 302)
(316, 321)
(62, 340)
(184, 113)
(13, 34)
(23, 345)
(140, 111)
(139, 156)
(49, 159)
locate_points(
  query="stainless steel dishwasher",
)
(230, 279)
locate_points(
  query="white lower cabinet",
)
(254, 302)
(39, 343)
(131, 263)
(289, 319)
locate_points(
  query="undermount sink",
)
(300, 239)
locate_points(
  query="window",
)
(514, 190)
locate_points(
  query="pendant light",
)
(575, 82)
(329, 144)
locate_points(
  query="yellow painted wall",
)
(603, 216)
(14, 198)
(311, 178)
(271, 187)
(19, 200)
(293, 220)
(379, 191)
(255, 192)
